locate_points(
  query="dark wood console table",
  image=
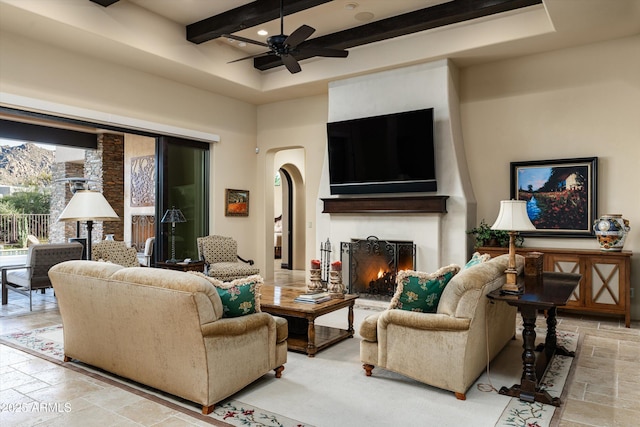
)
(547, 293)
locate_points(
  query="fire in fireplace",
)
(371, 265)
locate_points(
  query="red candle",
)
(336, 265)
(315, 264)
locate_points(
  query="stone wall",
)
(104, 167)
(59, 232)
(113, 180)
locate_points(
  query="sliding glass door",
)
(183, 183)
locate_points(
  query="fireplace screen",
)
(370, 265)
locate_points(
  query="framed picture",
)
(236, 202)
(561, 195)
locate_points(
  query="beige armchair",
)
(33, 274)
(221, 258)
(446, 349)
(115, 252)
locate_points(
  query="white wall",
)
(440, 238)
(579, 102)
(298, 124)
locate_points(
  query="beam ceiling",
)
(246, 16)
(262, 11)
(408, 23)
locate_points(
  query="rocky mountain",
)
(24, 164)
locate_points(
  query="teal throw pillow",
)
(477, 258)
(421, 292)
(240, 297)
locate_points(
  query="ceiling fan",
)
(285, 47)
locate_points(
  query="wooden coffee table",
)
(304, 335)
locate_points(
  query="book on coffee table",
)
(313, 298)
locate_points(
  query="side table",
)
(182, 266)
(549, 292)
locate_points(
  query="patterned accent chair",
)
(34, 273)
(115, 252)
(221, 258)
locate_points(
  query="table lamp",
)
(173, 215)
(89, 206)
(513, 218)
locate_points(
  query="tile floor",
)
(604, 388)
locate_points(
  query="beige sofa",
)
(164, 329)
(446, 349)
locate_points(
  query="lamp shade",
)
(86, 205)
(513, 216)
(173, 215)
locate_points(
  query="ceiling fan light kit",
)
(286, 46)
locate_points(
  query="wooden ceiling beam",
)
(408, 23)
(246, 16)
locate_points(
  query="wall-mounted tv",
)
(392, 153)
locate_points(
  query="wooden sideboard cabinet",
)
(606, 277)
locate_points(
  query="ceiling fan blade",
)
(326, 52)
(258, 55)
(242, 39)
(299, 35)
(291, 63)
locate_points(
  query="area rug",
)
(332, 390)
(526, 414)
(48, 343)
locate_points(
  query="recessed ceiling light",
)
(263, 32)
(364, 16)
(242, 44)
(350, 6)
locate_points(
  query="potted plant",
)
(485, 236)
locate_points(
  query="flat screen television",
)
(392, 153)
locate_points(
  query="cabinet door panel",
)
(606, 277)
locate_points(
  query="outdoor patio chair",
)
(146, 257)
(34, 273)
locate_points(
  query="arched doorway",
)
(289, 203)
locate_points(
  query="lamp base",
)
(511, 285)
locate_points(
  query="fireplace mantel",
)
(412, 204)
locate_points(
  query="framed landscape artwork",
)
(236, 202)
(561, 195)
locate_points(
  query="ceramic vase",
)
(611, 231)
